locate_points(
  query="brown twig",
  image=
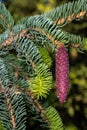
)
(17, 72)
(12, 38)
(56, 42)
(70, 18)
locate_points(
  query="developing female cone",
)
(62, 73)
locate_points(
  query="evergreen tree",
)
(26, 73)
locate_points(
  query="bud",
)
(62, 73)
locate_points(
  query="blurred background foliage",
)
(74, 110)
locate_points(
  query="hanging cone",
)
(62, 73)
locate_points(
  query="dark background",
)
(74, 110)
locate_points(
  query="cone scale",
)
(62, 73)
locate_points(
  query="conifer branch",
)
(39, 108)
(5, 17)
(12, 37)
(70, 18)
(48, 114)
(25, 63)
(74, 10)
(10, 99)
(47, 27)
(18, 72)
(8, 103)
(36, 105)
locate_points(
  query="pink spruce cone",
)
(62, 73)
